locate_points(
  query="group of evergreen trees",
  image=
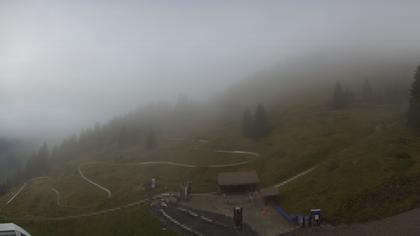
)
(388, 92)
(367, 92)
(255, 125)
(151, 142)
(342, 98)
(38, 165)
(4, 187)
(397, 94)
(394, 93)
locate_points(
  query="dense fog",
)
(217, 117)
(65, 65)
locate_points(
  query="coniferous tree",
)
(4, 187)
(348, 97)
(123, 136)
(395, 93)
(42, 160)
(413, 114)
(151, 142)
(367, 92)
(261, 126)
(247, 124)
(342, 97)
(338, 97)
(37, 165)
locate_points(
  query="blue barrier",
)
(283, 213)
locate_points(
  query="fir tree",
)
(261, 128)
(348, 97)
(38, 164)
(342, 97)
(151, 142)
(247, 124)
(413, 114)
(42, 160)
(367, 92)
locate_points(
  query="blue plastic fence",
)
(283, 213)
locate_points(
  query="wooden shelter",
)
(238, 182)
(269, 194)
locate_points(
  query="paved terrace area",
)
(263, 219)
(198, 223)
(406, 224)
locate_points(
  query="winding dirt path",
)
(16, 194)
(169, 163)
(296, 177)
(255, 154)
(251, 156)
(94, 184)
(96, 213)
(57, 194)
(58, 200)
(108, 191)
(22, 188)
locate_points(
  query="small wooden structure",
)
(269, 194)
(238, 182)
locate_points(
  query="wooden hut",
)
(238, 182)
(269, 194)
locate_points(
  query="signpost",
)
(153, 183)
(316, 217)
(238, 218)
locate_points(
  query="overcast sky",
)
(66, 64)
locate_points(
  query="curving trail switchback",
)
(169, 163)
(251, 156)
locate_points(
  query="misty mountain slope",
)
(301, 137)
(374, 178)
(309, 77)
(358, 149)
(127, 184)
(12, 154)
(100, 98)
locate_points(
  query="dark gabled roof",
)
(269, 192)
(237, 178)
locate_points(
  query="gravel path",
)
(95, 184)
(255, 154)
(16, 194)
(296, 177)
(58, 201)
(23, 187)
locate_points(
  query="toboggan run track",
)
(133, 204)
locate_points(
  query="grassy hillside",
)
(372, 178)
(363, 153)
(135, 221)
